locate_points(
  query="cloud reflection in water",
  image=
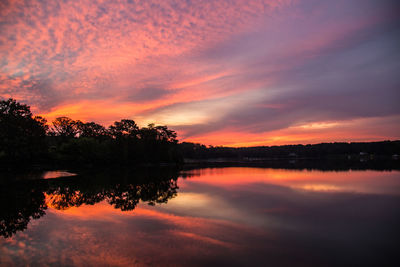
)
(228, 216)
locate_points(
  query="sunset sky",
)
(219, 72)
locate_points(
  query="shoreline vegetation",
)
(28, 140)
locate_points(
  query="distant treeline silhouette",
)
(356, 150)
(25, 138)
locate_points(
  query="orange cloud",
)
(363, 129)
(216, 71)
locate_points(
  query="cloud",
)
(237, 66)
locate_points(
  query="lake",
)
(231, 216)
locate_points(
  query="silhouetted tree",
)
(90, 129)
(158, 133)
(22, 136)
(65, 127)
(124, 128)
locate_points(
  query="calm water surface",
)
(203, 217)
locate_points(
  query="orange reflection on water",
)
(61, 202)
(104, 211)
(349, 181)
(231, 213)
(184, 229)
(57, 174)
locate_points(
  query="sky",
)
(219, 72)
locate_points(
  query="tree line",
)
(356, 150)
(25, 138)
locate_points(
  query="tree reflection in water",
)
(19, 203)
(22, 201)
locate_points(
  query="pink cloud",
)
(105, 61)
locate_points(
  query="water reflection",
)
(20, 202)
(56, 174)
(222, 216)
(123, 194)
(376, 182)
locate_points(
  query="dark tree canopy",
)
(27, 139)
(123, 128)
(90, 129)
(159, 133)
(65, 127)
(22, 136)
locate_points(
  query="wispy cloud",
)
(206, 68)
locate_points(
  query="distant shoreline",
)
(332, 164)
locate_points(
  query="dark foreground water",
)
(203, 217)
